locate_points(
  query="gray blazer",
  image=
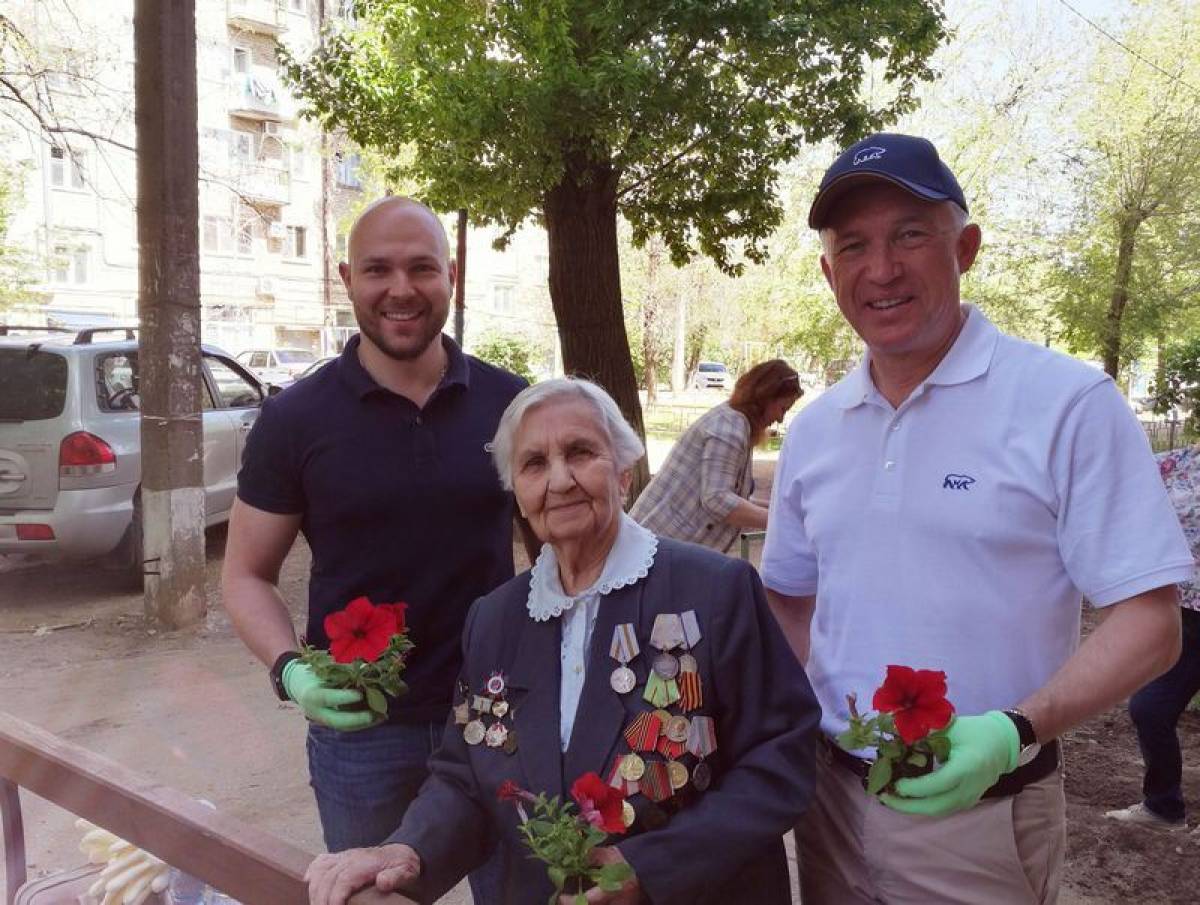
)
(725, 844)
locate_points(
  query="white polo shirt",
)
(958, 531)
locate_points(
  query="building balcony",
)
(256, 95)
(262, 184)
(264, 17)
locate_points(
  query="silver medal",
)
(622, 680)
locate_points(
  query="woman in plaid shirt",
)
(701, 494)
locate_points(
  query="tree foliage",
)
(513, 353)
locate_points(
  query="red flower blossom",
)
(397, 610)
(599, 803)
(360, 631)
(916, 698)
(510, 791)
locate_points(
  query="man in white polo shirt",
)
(946, 506)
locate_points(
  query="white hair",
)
(627, 448)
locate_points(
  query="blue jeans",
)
(1155, 711)
(365, 781)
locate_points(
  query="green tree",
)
(675, 113)
(18, 269)
(513, 353)
(1132, 263)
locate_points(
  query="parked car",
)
(277, 366)
(316, 366)
(70, 442)
(711, 375)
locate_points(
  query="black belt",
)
(1009, 784)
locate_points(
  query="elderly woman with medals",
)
(653, 663)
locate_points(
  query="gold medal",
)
(633, 768)
(627, 814)
(474, 732)
(664, 716)
(500, 708)
(678, 774)
(677, 728)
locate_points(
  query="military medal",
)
(668, 748)
(702, 741)
(496, 684)
(659, 691)
(677, 728)
(624, 648)
(496, 734)
(627, 814)
(666, 635)
(474, 732)
(480, 704)
(642, 734)
(617, 780)
(633, 768)
(655, 784)
(500, 708)
(678, 774)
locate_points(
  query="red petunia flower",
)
(397, 610)
(360, 631)
(599, 803)
(916, 698)
(510, 791)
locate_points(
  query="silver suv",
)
(70, 442)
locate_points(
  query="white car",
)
(277, 366)
(711, 375)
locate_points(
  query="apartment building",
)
(276, 194)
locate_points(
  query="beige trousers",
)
(1004, 851)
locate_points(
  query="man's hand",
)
(320, 704)
(982, 749)
(628, 894)
(332, 879)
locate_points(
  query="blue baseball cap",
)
(904, 160)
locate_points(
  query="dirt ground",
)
(193, 709)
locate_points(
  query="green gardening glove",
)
(982, 749)
(320, 704)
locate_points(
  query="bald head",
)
(378, 214)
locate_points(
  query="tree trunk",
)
(1127, 232)
(678, 362)
(650, 306)
(172, 491)
(585, 288)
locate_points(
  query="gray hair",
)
(626, 446)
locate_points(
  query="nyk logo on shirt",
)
(957, 482)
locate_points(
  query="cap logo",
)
(866, 154)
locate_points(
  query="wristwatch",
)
(1030, 746)
(277, 673)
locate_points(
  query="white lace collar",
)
(628, 561)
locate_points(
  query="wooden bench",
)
(250, 865)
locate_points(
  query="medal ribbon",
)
(659, 691)
(691, 629)
(702, 736)
(656, 783)
(619, 782)
(642, 733)
(670, 749)
(624, 643)
(667, 632)
(691, 694)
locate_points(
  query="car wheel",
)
(129, 556)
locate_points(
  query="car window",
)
(33, 384)
(295, 357)
(117, 382)
(207, 404)
(258, 360)
(234, 390)
(711, 366)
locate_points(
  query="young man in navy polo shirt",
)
(381, 460)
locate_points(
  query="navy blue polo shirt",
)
(398, 503)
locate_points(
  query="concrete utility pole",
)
(172, 495)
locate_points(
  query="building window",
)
(218, 235)
(297, 6)
(66, 170)
(241, 60)
(297, 162)
(297, 242)
(70, 264)
(241, 146)
(245, 240)
(348, 166)
(504, 298)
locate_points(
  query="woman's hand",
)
(629, 893)
(332, 879)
